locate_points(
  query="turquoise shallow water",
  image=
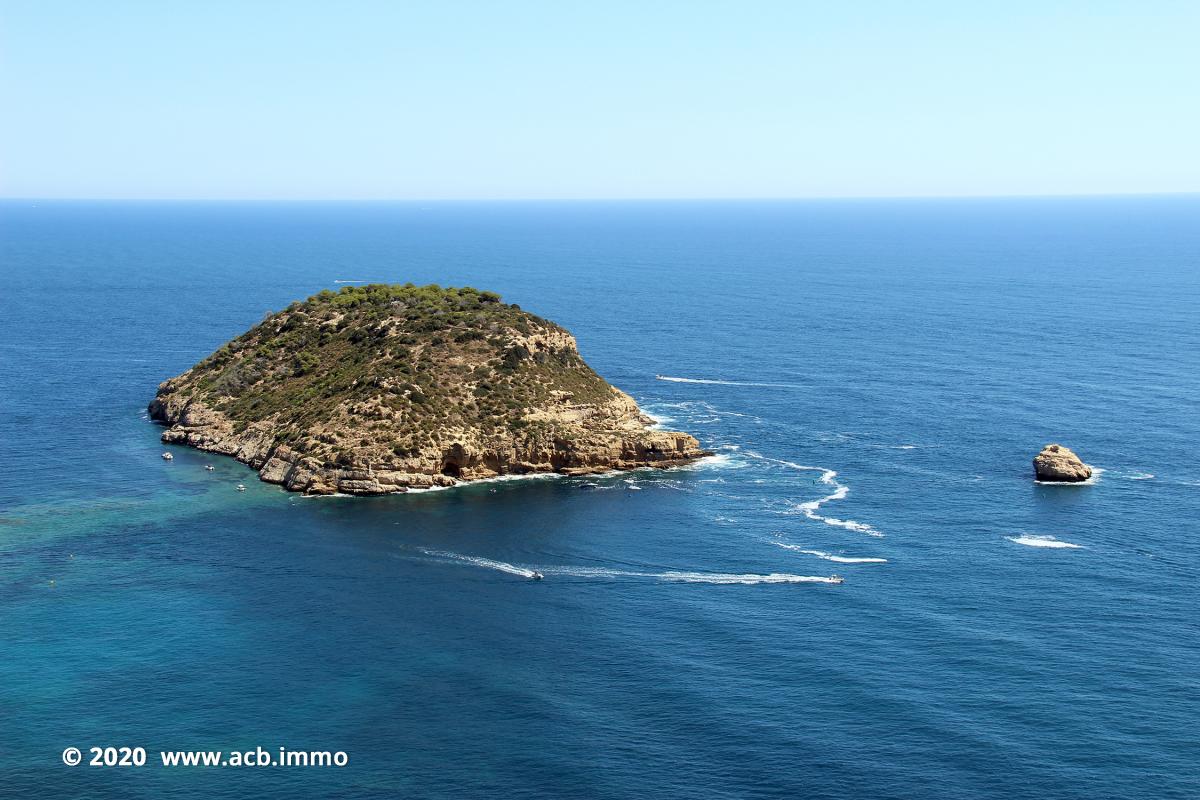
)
(922, 350)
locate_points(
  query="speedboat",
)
(241, 488)
(167, 456)
(209, 467)
(836, 579)
(536, 576)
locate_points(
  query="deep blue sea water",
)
(923, 350)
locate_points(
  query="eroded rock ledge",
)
(378, 389)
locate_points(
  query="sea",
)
(874, 378)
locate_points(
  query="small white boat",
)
(536, 576)
(167, 456)
(836, 579)
(209, 467)
(241, 488)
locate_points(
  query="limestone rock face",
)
(377, 389)
(1059, 464)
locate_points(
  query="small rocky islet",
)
(380, 388)
(1059, 464)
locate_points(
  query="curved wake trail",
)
(476, 561)
(811, 508)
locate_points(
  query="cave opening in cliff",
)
(452, 469)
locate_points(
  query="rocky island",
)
(380, 388)
(1058, 464)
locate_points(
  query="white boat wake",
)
(1042, 541)
(774, 577)
(830, 556)
(810, 509)
(602, 572)
(476, 561)
(680, 576)
(706, 381)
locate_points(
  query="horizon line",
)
(614, 199)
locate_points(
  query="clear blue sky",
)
(447, 99)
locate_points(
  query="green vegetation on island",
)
(392, 377)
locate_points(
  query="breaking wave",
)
(1042, 541)
(716, 461)
(830, 556)
(661, 421)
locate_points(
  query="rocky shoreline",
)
(414, 412)
(200, 427)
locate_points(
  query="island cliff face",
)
(379, 388)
